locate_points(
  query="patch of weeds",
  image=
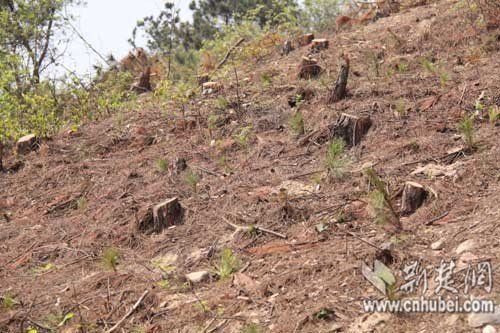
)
(297, 123)
(212, 123)
(389, 73)
(162, 165)
(378, 207)
(228, 264)
(221, 102)
(120, 121)
(324, 314)
(402, 67)
(243, 136)
(223, 162)
(192, 179)
(466, 129)
(8, 302)
(252, 328)
(334, 162)
(379, 201)
(31, 329)
(43, 269)
(203, 306)
(164, 284)
(110, 258)
(81, 203)
(401, 107)
(493, 114)
(428, 66)
(442, 75)
(266, 79)
(443, 78)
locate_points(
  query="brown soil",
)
(82, 193)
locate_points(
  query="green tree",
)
(28, 29)
(320, 14)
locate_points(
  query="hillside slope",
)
(82, 193)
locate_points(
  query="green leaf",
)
(67, 317)
(384, 272)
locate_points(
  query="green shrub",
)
(297, 123)
(466, 129)
(334, 161)
(228, 264)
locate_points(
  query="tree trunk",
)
(309, 68)
(351, 128)
(414, 195)
(340, 90)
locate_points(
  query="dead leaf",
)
(428, 102)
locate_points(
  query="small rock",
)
(436, 246)
(466, 246)
(489, 329)
(197, 277)
(479, 319)
(26, 144)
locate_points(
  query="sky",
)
(107, 25)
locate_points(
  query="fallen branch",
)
(228, 54)
(242, 228)
(129, 313)
(437, 218)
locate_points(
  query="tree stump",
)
(211, 87)
(306, 39)
(340, 90)
(161, 216)
(309, 68)
(414, 196)
(319, 44)
(287, 47)
(144, 84)
(27, 144)
(203, 78)
(351, 128)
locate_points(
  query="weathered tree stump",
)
(309, 68)
(340, 90)
(144, 84)
(306, 39)
(287, 47)
(414, 196)
(319, 44)
(161, 216)
(203, 78)
(211, 87)
(27, 144)
(351, 128)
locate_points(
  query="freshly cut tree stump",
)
(340, 90)
(306, 39)
(309, 68)
(144, 84)
(319, 44)
(161, 216)
(351, 128)
(414, 195)
(27, 144)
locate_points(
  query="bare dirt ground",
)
(82, 193)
